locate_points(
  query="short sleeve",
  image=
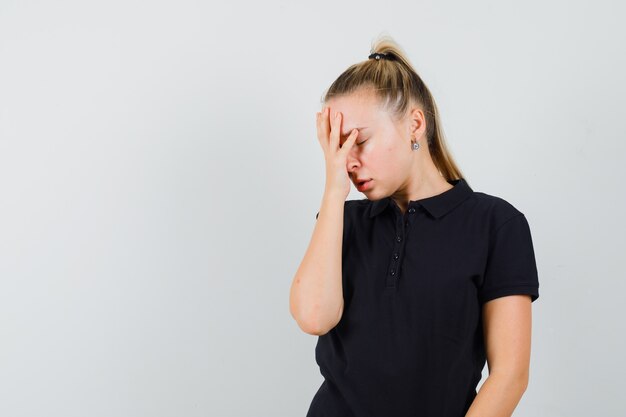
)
(511, 267)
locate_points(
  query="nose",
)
(352, 162)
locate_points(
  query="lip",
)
(364, 186)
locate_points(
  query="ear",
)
(417, 123)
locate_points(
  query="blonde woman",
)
(414, 288)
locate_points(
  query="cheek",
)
(391, 162)
(380, 160)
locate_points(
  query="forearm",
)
(316, 291)
(497, 397)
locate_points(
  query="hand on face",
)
(336, 156)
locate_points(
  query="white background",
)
(160, 175)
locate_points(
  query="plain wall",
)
(160, 175)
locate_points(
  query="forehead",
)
(358, 109)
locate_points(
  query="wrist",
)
(334, 194)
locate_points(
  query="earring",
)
(416, 146)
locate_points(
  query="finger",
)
(347, 145)
(321, 138)
(318, 116)
(324, 120)
(317, 123)
(323, 129)
(335, 131)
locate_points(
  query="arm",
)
(316, 295)
(507, 331)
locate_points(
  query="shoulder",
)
(495, 210)
(357, 209)
(357, 205)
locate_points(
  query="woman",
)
(412, 289)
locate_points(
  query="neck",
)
(424, 181)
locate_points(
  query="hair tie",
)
(379, 55)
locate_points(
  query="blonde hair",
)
(396, 84)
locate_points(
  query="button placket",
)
(402, 225)
(392, 274)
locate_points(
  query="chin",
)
(370, 195)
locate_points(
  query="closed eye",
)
(359, 144)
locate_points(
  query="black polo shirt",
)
(410, 340)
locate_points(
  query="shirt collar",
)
(437, 205)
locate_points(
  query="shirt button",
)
(393, 271)
(406, 224)
(412, 210)
(399, 238)
(396, 256)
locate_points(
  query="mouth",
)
(362, 185)
(361, 182)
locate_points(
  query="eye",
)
(359, 144)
